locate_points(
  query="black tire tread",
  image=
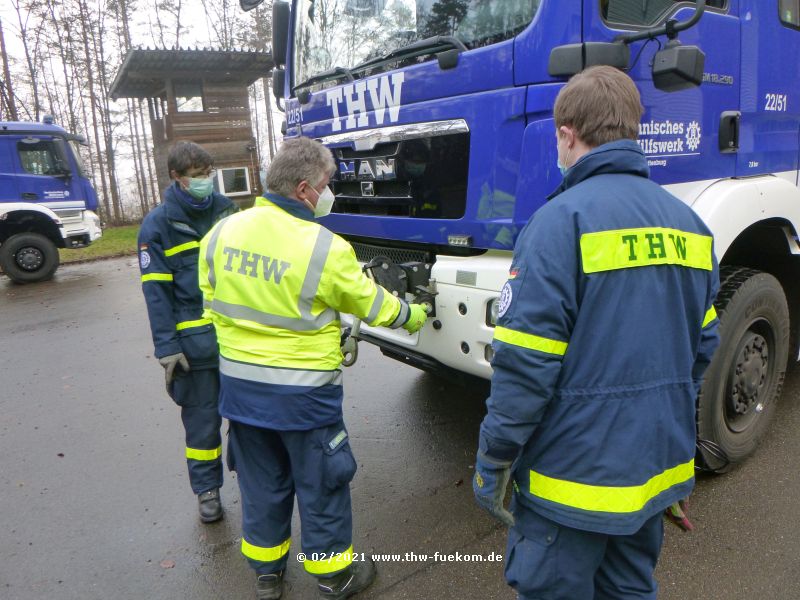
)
(732, 277)
(17, 275)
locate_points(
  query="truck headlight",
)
(492, 308)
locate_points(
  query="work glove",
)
(676, 514)
(169, 363)
(416, 318)
(489, 486)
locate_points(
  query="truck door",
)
(9, 190)
(680, 131)
(43, 169)
(770, 88)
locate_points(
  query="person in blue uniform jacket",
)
(185, 342)
(606, 326)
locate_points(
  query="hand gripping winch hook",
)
(350, 345)
(424, 296)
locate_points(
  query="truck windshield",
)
(346, 33)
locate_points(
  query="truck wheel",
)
(744, 380)
(28, 257)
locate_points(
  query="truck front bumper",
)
(459, 336)
(80, 229)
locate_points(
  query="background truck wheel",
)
(743, 383)
(28, 257)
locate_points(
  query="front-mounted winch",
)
(402, 280)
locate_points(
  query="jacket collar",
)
(621, 157)
(293, 207)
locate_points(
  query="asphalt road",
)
(96, 503)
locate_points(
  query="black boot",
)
(355, 578)
(210, 506)
(269, 587)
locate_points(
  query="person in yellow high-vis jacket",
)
(274, 281)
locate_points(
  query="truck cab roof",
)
(7, 127)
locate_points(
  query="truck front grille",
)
(366, 252)
(422, 178)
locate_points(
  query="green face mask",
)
(200, 187)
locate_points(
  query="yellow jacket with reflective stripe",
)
(274, 282)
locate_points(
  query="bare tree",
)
(30, 42)
(9, 104)
(101, 65)
(61, 28)
(167, 14)
(94, 104)
(151, 160)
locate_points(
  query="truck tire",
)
(28, 257)
(744, 380)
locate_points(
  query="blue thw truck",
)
(46, 199)
(439, 116)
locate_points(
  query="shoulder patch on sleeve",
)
(144, 259)
(505, 299)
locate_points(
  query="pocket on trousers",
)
(530, 565)
(177, 387)
(340, 464)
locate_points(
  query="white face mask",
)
(324, 203)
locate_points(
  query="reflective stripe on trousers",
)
(262, 554)
(197, 454)
(335, 563)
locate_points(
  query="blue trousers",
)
(547, 561)
(272, 467)
(197, 393)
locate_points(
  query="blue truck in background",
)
(439, 116)
(46, 199)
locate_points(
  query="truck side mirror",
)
(280, 32)
(678, 67)
(278, 83)
(61, 169)
(570, 59)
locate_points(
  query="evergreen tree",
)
(445, 17)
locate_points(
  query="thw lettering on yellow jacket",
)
(274, 285)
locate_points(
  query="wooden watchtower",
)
(200, 96)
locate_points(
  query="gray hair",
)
(298, 159)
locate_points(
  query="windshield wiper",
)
(334, 73)
(418, 48)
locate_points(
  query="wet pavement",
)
(96, 502)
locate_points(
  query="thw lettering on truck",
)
(384, 93)
(271, 268)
